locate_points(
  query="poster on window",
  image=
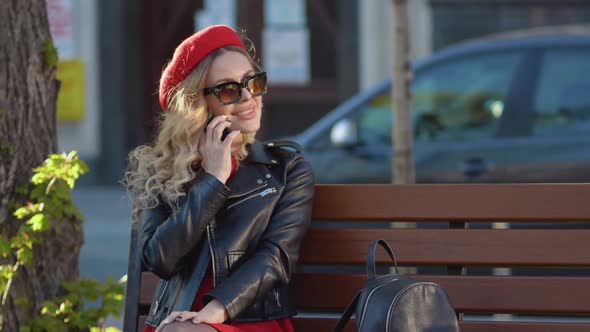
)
(71, 97)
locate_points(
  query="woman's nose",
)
(246, 95)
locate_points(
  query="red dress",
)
(277, 325)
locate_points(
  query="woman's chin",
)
(249, 129)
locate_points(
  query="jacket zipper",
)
(277, 298)
(367, 302)
(209, 237)
(249, 191)
(160, 298)
(260, 194)
(268, 191)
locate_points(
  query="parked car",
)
(496, 110)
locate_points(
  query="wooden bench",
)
(453, 242)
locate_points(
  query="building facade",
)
(319, 52)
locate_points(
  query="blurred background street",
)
(106, 229)
(106, 212)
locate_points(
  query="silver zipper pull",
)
(268, 191)
(156, 307)
(277, 298)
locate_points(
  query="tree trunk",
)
(403, 160)
(28, 92)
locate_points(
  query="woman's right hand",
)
(215, 153)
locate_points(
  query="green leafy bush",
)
(49, 199)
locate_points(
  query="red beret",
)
(191, 51)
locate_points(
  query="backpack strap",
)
(347, 314)
(371, 257)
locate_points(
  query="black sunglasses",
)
(231, 92)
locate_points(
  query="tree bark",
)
(403, 159)
(28, 93)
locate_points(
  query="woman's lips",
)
(246, 114)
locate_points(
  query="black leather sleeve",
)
(168, 236)
(278, 251)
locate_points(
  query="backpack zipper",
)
(367, 302)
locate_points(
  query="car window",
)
(455, 100)
(562, 101)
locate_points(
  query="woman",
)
(222, 217)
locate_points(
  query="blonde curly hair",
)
(159, 171)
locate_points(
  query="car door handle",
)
(474, 167)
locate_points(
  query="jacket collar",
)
(250, 176)
(257, 153)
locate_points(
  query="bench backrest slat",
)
(149, 281)
(496, 294)
(493, 247)
(453, 202)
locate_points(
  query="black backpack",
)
(397, 303)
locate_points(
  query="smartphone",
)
(226, 131)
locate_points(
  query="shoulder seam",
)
(285, 143)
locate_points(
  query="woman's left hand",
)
(214, 312)
(176, 316)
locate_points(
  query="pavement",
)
(107, 228)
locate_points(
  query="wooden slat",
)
(319, 324)
(494, 294)
(500, 202)
(532, 295)
(523, 327)
(149, 281)
(526, 247)
(541, 295)
(327, 324)
(141, 323)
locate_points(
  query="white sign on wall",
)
(286, 55)
(285, 41)
(216, 12)
(61, 25)
(285, 12)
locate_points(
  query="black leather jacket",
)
(252, 228)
